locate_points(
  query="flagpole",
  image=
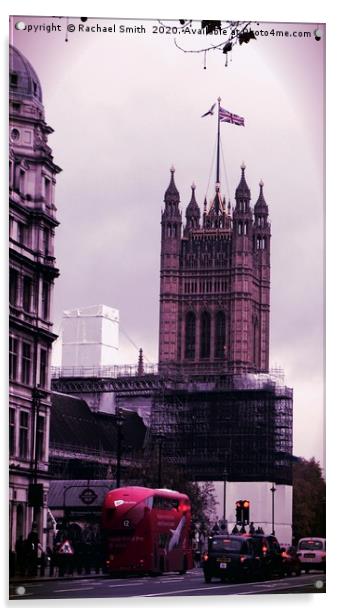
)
(218, 143)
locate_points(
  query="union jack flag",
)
(232, 118)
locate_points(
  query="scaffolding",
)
(240, 428)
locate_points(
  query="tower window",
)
(43, 367)
(23, 435)
(40, 437)
(205, 335)
(22, 182)
(47, 188)
(13, 80)
(45, 300)
(46, 241)
(26, 363)
(27, 294)
(220, 337)
(190, 335)
(13, 286)
(13, 358)
(240, 228)
(11, 432)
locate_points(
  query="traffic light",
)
(239, 512)
(35, 495)
(246, 511)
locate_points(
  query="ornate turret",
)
(192, 213)
(242, 191)
(261, 206)
(171, 194)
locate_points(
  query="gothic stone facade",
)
(32, 217)
(215, 284)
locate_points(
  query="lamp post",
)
(160, 444)
(273, 490)
(119, 424)
(225, 476)
(35, 489)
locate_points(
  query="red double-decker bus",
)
(146, 530)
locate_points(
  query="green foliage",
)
(202, 498)
(309, 499)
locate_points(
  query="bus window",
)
(166, 504)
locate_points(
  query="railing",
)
(109, 372)
(205, 376)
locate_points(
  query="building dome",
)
(23, 80)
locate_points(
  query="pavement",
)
(21, 579)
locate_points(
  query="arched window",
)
(220, 337)
(205, 335)
(190, 335)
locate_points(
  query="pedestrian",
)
(12, 563)
(50, 561)
(251, 528)
(33, 545)
(43, 563)
(20, 549)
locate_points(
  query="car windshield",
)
(226, 544)
(310, 545)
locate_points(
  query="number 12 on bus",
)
(146, 530)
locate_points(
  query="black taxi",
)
(231, 557)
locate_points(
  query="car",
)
(290, 562)
(312, 553)
(269, 553)
(230, 557)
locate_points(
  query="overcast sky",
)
(124, 109)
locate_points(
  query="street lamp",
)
(119, 424)
(273, 490)
(35, 494)
(160, 445)
(225, 476)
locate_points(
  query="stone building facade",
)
(32, 222)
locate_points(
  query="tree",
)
(202, 497)
(309, 499)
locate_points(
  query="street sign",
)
(88, 496)
(66, 548)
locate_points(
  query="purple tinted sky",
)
(124, 108)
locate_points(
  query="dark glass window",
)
(27, 294)
(13, 286)
(190, 335)
(220, 334)
(26, 363)
(13, 358)
(205, 335)
(46, 241)
(22, 181)
(161, 502)
(22, 230)
(43, 367)
(23, 435)
(40, 438)
(13, 80)
(45, 300)
(11, 432)
(48, 192)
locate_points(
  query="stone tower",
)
(214, 284)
